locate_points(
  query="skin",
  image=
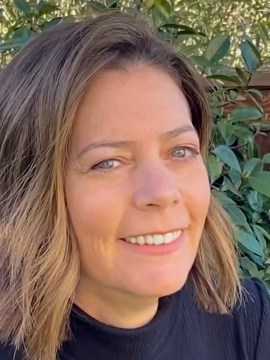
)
(153, 185)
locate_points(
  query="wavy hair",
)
(40, 91)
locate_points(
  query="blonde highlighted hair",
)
(40, 91)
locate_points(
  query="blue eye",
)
(183, 152)
(105, 165)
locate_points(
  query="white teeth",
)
(169, 238)
(148, 239)
(140, 240)
(132, 240)
(155, 239)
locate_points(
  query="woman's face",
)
(135, 174)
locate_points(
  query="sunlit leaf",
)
(149, 3)
(164, 7)
(46, 8)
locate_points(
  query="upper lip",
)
(153, 233)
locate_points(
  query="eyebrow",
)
(129, 143)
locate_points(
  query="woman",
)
(111, 245)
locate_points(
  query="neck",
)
(114, 308)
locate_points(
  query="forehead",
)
(137, 100)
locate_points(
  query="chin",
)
(159, 289)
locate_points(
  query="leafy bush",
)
(240, 179)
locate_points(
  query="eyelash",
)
(194, 153)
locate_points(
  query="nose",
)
(156, 186)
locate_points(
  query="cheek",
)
(195, 188)
(94, 216)
(196, 193)
(94, 212)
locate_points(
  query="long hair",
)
(40, 91)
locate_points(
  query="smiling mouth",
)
(155, 239)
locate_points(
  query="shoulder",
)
(255, 305)
(244, 331)
(253, 317)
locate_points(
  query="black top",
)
(179, 331)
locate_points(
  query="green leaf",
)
(149, 3)
(242, 75)
(246, 113)
(111, 4)
(236, 178)
(223, 198)
(186, 32)
(254, 201)
(233, 210)
(260, 181)
(215, 167)
(250, 55)
(237, 215)
(96, 5)
(12, 45)
(164, 7)
(227, 156)
(201, 61)
(179, 27)
(252, 149)
(233, 95)
(259, 235)
(218, 48)
(21, 34)
(23, 6)
(253, 164)
(242, 132)
(228, 185)
(226, 78)
(52, 22)
(46, 8)
(256, 92)
(226, 130)
(249, 242)
(266, 158)
(263, 232)
(250, 266)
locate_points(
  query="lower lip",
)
(162, 249)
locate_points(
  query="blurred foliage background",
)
(229, 42)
